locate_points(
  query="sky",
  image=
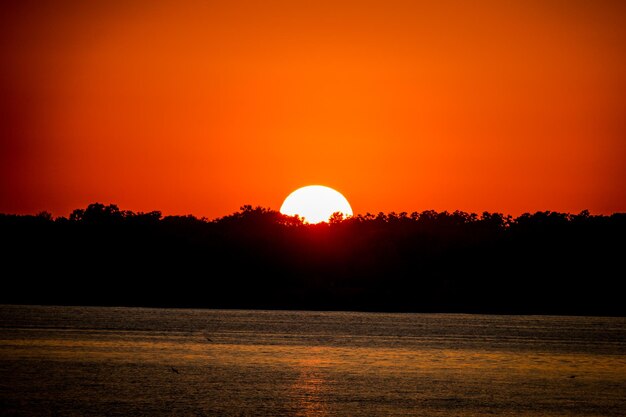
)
(199, 107)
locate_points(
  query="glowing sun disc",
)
(315, 203)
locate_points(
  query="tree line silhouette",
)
(541, 263)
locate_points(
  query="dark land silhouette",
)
(541, 263)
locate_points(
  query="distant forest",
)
(541, 263)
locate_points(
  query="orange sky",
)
(201, 107)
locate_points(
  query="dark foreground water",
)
(85, 361)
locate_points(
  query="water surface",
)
(92, 361)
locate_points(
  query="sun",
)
(315, 203)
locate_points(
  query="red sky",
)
(201, 107)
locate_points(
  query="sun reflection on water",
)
(310, 388)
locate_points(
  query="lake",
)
(103, 361)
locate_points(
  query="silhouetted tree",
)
(545, 262)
